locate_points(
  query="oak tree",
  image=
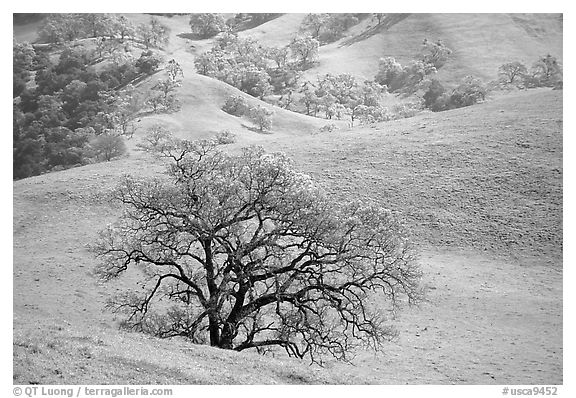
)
(246, 252)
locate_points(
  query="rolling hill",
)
(479, 187)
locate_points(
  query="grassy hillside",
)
(481, 43)
(480, 188)
(56, 352)
(487, 176)
(462, 180)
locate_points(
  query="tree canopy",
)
(243, 251)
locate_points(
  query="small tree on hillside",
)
(207, 25)
(379, 17)
(546, 72)
(153, 34)
(148, 62)
(314, 23)
(107, 147)
(435, 53)
(512, 72)
(262, 117)
(305, 49)
(246, 252)
(469, 92)
(390, 74)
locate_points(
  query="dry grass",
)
(480, 188)
(487, 177)
(481, 43)
(56, 352)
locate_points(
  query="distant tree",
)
(313, 24)
(280, 55)
(156, 137)
(153, 34)
(431, 97)
(236, 105)
(174, 71)
(512, 72)
(414, 75)
(469, 92)
(23, 62)
(435, 53)
(225, 137)
(546, 71)
(337, 25)
(246, 252)
(309, 99)
(148, 62)
(327, 28)
(59, 28)
(98, 25)
(305, 49)
(123, 27)
(262, 117)
(126, 106)
(390, 74)
(207, 25)
(108, 146)
(379, 17)
(253, 81)
(208, 63)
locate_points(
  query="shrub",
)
(148, 62)
(262, 117)
(236, 105)
(328, 128)
(225, 137)
(469, 92)
(107, 146)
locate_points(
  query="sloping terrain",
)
(486, 294)
(480, 43)
(480, 188)
(487, 177)
(56, 352)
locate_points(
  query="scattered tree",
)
(148, 62)
(225, 137)
(153, 34)
(108, 146)
(546, 72)
(435, 53)
(469, 92)
(262, 117)
(379, 17)
(390, 74)
(305, 49)
(512, 72)
(245, 252)
(236, 105)
(207, 25)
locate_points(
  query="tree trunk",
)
(214, 330)
(227, 336)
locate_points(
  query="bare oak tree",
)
(245, 252)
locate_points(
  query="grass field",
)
(480, 189)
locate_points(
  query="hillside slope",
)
(473, 184)
(481, 43)
(480, 189)
(487, 177)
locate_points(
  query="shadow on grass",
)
(192, 36)
(388, 21)
(256, 129)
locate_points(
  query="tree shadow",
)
(255, 129)
(192, 36)
(388, 21)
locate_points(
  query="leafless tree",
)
(243, 251)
